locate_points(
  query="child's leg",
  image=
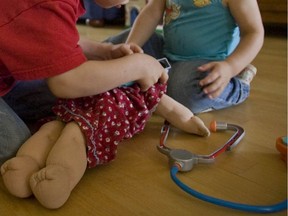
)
(30, 158)
(65, 167)
(180, 116)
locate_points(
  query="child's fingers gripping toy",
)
(281, 146)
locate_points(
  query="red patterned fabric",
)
(108, 118)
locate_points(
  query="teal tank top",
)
(199, 29)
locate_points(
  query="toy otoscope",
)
(183, 160)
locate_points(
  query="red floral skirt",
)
(108, 118)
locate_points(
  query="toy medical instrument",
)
(183, 160)
(165, 64)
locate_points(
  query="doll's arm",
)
(180, 116)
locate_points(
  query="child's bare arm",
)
(252, 35)
(251, 31)
(94, 77)
(146, 22)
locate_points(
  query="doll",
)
(85, 134)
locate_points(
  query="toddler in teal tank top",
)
(210, 44)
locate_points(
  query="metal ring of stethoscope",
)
(186, 159)
(183, 160)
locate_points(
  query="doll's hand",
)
(218, 78)
(120, 50)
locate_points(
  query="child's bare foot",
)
(16, 173)
(51, 186)
(247, 74)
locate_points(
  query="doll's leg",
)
(65, 167)
(180, 116)
(30, 158)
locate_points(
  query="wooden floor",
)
(138, 181)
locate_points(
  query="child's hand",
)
(218, 78)
(151, 72)
(135, 48)
(107, 51)
(147, 82)
(120, 50)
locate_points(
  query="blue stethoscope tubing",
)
(244, 207)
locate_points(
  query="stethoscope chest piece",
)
(184, 159)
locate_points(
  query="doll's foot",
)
(51, 186)
(16, 173)
(247, 74)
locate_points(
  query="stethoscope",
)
(183, 160)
